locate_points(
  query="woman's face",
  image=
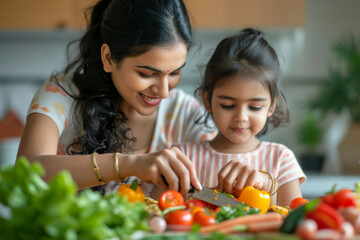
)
(143, 81)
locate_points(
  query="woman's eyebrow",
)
(157, 70)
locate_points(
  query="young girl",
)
(241, 94)
(113, 113)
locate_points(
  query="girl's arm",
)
(288, 192)
(40, 141)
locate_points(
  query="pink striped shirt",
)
(271, 157)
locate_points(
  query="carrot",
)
(262, 226)
(244, 220)
(265, 226)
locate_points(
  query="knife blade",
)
(212, 196)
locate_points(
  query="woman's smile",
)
(152, 101)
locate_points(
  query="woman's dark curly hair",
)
(130, 28)
(247, 54)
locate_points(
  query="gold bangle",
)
(96, 167)
(116, 166)
(273, 183)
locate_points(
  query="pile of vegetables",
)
(179, 214)
(336, 215)
(33, 209)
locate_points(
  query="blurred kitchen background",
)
(34, 35)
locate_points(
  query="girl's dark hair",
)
(247, 54)
(130, 28)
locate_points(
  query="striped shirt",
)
(271, 157)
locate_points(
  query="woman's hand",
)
(168, 169)
(235, 175)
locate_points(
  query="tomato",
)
(344, 198)
(170, 198)
(179, 217)
(297, 202)
(328, 199)
(195, 209)
(195, 202)
(203, 219)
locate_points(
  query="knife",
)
(212, 196)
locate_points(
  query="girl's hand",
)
(236, 175)
(169, 169)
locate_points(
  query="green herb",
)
(227, 212)
(32, 209)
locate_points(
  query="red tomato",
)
(195, 209)
(204, 219)
(328, 199)
(195, 202)
(179, 217)
(344, 198)
(297, 202)
(170, 198)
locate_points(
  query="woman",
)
(117, 96)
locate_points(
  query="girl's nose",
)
(161, 88)
(241, 115)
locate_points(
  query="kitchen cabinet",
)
(205, 14)
(43, 14)
(216, 14)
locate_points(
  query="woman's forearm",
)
(81, 167)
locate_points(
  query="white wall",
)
(30, 57)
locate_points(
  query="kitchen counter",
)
(318, 184)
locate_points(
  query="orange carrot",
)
(228, 225)
(262, 226)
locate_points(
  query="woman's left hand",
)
(235, 175)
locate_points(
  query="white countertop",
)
(317, 185)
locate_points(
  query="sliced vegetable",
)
(282, 210)
(170, 198)
(255, 198)
(132, 192)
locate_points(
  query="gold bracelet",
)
(116, 166)
(273, 183)
(96, 167)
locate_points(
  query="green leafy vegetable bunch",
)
(33, 209)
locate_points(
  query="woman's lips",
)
(151, 101)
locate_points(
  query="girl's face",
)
(240, 109)
(144, 80)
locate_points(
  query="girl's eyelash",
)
(255, 108)
(227, 106)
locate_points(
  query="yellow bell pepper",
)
(255, 198)
(132, 192)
